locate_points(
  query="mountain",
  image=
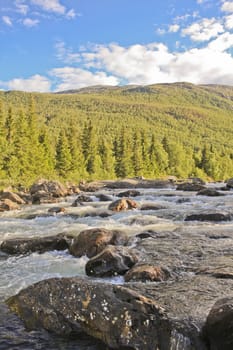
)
(155, 130)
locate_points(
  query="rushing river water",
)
(17, 272)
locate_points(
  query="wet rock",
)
(12, 197)
(7, 204)
(211, 192)
(112, 261)
(147, 234)
(147, 272)
(123, 204)
(129, 193)
(91, 242)
(80, 199)
(120, 317)
(45, 191)
(219, 325)
(104, 197)
(15, 246)
(152, 206)
(190, 186)
(56, 210)
(215, 217)
(183, 200)
(229, 184)
(197, 180)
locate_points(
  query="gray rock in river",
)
(92, 241)
(113, 260)
(209, 216)
(38, 244)
(115, 314)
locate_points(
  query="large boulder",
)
(120, 317)
(219, 325)
(7, 204)
(92, 241)
(12, 197)
(38, 244)
(112, 261)
(45, 191)
(123, 204)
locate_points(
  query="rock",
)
(211, 192)
(7, 204)
(123, 204)
(209, 216)
(29, 245)
(104, 198)
(91, 242)
(12, 197)
(152, 206)
(112, 261)
(56, 210)
(146, 272)
(189, 186)
(129, 193)
(120, 317)
(80, 199)
(197, 180)
(219, 325)
(44, 191)
(229, 184)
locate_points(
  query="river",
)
(17, 272)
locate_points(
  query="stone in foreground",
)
(119, 316)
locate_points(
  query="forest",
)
(102, 132)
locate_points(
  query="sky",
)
(57, 45)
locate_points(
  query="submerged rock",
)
(28, 245)
(113, 260)
(92, 241)
(211, 192)
(119, 316)
(129, 193)
(229, 183)
(190, 186)
(218, 216)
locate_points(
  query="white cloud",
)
(33, 83)
(148, 64)
(50, 6)
(203, 30)
(229, 22)
(174, 28)
(21, 7)
(73, 78)
(7, 20)
(28, 22)
(66, 54)
(71, 14)
(227, 6)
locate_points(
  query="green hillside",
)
(107, 132)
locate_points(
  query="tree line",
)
(33, 146)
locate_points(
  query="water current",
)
(17, 272)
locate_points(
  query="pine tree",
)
(63, 156)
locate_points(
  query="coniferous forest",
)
(116, 132)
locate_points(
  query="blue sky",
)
(54, 45)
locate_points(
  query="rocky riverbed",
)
(128, 265)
